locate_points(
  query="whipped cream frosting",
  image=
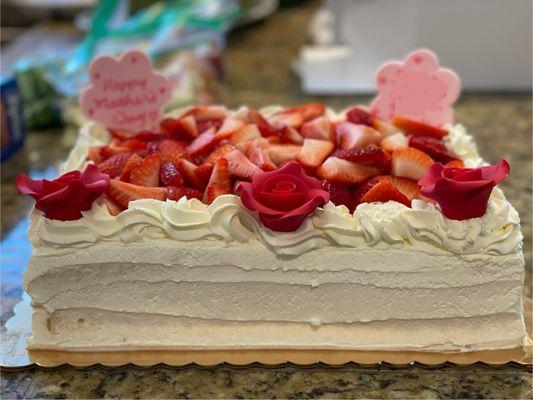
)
(422, 226)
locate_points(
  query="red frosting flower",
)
(65, 197)
(284, 197)
(462, 193)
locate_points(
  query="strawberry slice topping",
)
(219, 183)
(133, 162)
(434, 148)
(418, 128)
(314, 152)
(114, 165)
(319, 128)
(183, 128)
(146, 173)
(260, 157)
(169, 175)
(339, 194)
(350, 135)
(382, 192)
(359, 116)
(370, 155)
(338, 170)
(204, 143)
(240, 167)
(187, 171)
(410, 163)
(176, 193)
(122, 192)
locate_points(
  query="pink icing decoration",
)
(125, 92)
(416, 88)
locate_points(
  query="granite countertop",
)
(258, 73)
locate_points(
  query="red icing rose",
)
(284, 197)
(462, 193)
(65, 197)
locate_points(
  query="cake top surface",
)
(295, 178)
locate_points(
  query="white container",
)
(487, 42)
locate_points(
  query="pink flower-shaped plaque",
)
(417, 88)
(125, 92)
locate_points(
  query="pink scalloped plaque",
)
(417, 88)
(125, 92)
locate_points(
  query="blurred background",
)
(254, 52)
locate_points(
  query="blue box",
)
(12, 118)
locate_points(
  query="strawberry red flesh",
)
(146, 173)
(176, 193)
(122, 192)
(382, 192)
(418, 128)
(339, 194)
(169, 175)
(370, 155)
(359, 116)
(434, 148)
(114, 165)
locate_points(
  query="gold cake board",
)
(15, 355)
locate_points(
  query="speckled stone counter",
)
(258, 72)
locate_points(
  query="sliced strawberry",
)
(281, 153)
(310, 111)
(408, 187)
(260, 157)
(183, 128)
(204, 143)
(203, 172)
(359, 116)
(370, 155)
(434, 148)
(147, 172)
(187, 171)
(395, 142)
(291, 117)
(123, 192)
(254, 117)
(455, 164)
(170, 150)
(147, 136)
(108, 151)
(384, 127)
(246, 134)
(339, 194)
(204, 113)
(134, 144)
(112, 207)
(95, 154)
(350, 135)
(240, 167)
(114, 165)
(219, 183)
(410, 163)
(229, 126)
(217, 153)
(319, 128)
(290, 135)
(132, 162)
(337, 170)
(314, 152)
(176, 193)
(169, 175)
(120, 134)
(417, 128)
(382, 192)
(208, 124)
